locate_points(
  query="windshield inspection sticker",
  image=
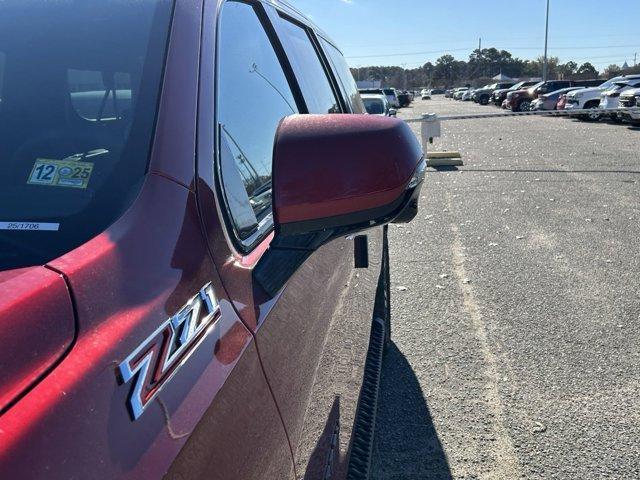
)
(61, 173)
(32, 226)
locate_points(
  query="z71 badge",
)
(157, 359)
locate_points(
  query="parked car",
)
(630, 99)
(549, 101)
(474, 92)
(458, 92)
(610, 98)
(521, 100)
(425, 94)
(372, 91)
(437, 91)
(448, 93)
(466, 95)
(404, 99)
(589, 98)
(392, 96)
(562, 101)
(164, 317)
(378, 105)
(483, 95)
(500, 95)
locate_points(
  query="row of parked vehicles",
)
(619, 92)
(385, 101)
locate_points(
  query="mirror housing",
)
(334, 175)
(393, 112)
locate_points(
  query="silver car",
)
(548, 101)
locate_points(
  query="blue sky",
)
(412, 32)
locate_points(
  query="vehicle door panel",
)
(321, 317)
(125, 283)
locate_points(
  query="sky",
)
(411, 32)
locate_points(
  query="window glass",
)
(100, 96)
(347, 82)
(2, 60)
(66, 173)
(253, 96)
(374, 106)
(310, 72)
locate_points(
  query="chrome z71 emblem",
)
(154, 362)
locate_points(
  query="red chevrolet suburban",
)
(194, 268)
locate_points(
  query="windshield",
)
(517, 86)
(610, 83)
(79, 83)
(389, 91)
(374, 106)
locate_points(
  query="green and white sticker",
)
(61, 173)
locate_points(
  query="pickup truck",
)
(522, 100)
(500, 94)
(483, 95)
(629, 99)
(588, 98)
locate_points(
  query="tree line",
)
(481, 66)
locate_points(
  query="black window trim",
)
(266, 225)
(346, 100)
(324, 61)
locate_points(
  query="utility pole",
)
(404, 76)
(545, 67)
(480, 43)
(635, 57)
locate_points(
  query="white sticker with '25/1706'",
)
(30, 226)
(61, 173)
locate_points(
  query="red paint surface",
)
(125, 282)
(36, 327)
(217, 418)
(328, 165)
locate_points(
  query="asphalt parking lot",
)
(516, 303)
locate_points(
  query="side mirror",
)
(393, 112)
(334, 175)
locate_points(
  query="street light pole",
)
(545, 67)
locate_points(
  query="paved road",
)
(516, 307)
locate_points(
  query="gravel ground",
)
(516, 306)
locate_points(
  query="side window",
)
(101, 96)
(2, 62)
(253, 96)
(309, 70)
(347, 82)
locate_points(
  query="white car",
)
(610, 98)
(630, 99)
(466, 95)
(425, 94)
(392, 97)
(458, 92)
(377, 105)
(590, 97)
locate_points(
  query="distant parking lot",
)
(516, 304)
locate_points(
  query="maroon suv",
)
(521, 100)
(194, 271)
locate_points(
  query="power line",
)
(597, 47)
(412, 53)
(471, 41)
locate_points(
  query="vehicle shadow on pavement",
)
(406, 444)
